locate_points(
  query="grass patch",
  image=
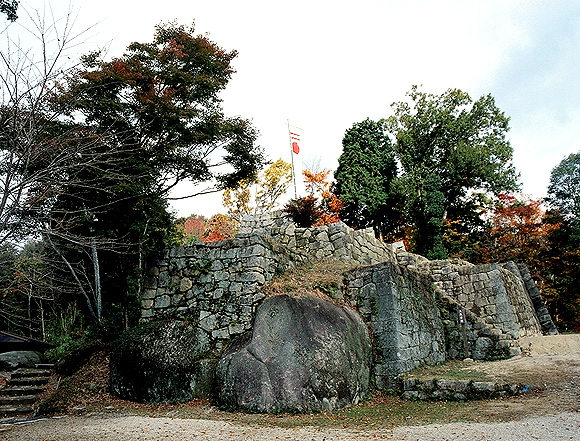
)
(323, 277)
(451, 370)
(380, 411)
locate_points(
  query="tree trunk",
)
(96, 270)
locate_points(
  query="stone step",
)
(23, 373)
(28, 381)
(45, 366)
(22, 390)
(8, 411)
(17, 400)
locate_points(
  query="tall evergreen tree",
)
(459, 141)
(564, 250)
(450, 150)
(366, 169)
(564, 188)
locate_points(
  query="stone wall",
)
(522, 272)
(418, 311)
(401, 309)
(495, 292)
(335, 241)
(218, 284)
(459, 390)
(214, 284)
(424, 312)
(433, 311)
(491, 293)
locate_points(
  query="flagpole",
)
(292, 160)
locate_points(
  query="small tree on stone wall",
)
(320, 207)
(266, 191)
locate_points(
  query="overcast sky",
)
(324, 65)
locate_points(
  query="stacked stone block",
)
(419, 311)
(522, 272)
(468, 336)
(251, 223)
(335, 241)
(498, 296)
(214, 284)
(496, 303)
(493, 294)
(217, 285)
(459, 390)
(401, 309)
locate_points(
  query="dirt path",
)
(565, 427)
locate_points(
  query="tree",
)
(38, 153)
(564, 188)
(237, 201)
(34, 157)
(366, 169)
(563, 270)
(272, 183)
(90, 157)
(516, 231)
(449, 144)
(304, 211)
(8, 258)
(9, 7)
(161, 100)
(320, 207)
(564, 250)
(329, 205)
(192, 228)
(219, 227)
(157, 115)
(30, 297)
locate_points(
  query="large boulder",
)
(304, 354)
(162, 362)
(13, 360)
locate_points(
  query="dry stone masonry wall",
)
(418, 311)
(213, 284)
(522, 272)
(459, 390)
(491, 293)
(401, 309)
(218, 284)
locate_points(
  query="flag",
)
(295, 138)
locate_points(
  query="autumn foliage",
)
(271, 184)
(517, 231)
(320, 207)
(194, 226)
(198, 229)
(520, 230)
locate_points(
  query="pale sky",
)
(324, 65)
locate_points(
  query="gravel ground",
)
(553, 415)
(564, 426)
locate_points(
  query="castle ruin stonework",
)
(417, 311)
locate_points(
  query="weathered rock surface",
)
(10, 361)
(162, 362)
(304, 354)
